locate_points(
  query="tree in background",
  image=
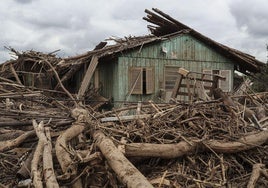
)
(261, 81)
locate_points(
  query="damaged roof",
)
(165, 26)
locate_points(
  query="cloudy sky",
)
(76, 26)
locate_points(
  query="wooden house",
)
(138, 68)
(146, 68)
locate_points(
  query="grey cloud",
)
(47, 23)
(77, 26)
(23, 1)
(251, 16)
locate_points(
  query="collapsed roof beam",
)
(176, 22)
(165, 25)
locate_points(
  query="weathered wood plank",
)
(90, 71)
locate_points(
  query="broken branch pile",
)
(202, 144)
(49, 138)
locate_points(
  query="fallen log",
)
(49, 175)
(187, 148)
(35, 172)
(125, 170)
(242, 144)
(69, 168)
(159, 150)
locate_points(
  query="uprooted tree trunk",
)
(125, 170)
(69, 168)
(186, 148)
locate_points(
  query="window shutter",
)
(225, 85)
(149, 81)
(135, 83)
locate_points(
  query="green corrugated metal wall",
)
(183, 51)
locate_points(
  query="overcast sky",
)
(76, 26)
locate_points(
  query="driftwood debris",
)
(49, 174)
(68, 166)
(9, 144)
(257, 170)
(48, 139)
(125, 170)
(205, 144)
(35, 172)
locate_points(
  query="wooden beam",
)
(15, 74)
(176, 87)
(86, 81)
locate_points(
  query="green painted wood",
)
(108, 76)
(183, 47)
(181, 51)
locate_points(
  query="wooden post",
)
(176, 87)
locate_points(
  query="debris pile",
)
(45, 141)
(54, 133)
